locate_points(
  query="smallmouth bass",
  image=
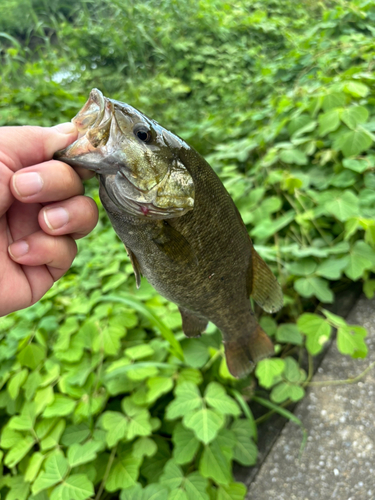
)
(179, 225)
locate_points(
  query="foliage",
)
(99, 389)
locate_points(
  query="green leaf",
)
(196, 487)
(178, 494)
(294, 156)
(328, 121)
(350, 340)
(188, 398)
(343, 206)
(335, 320)
(16, 382)
(26, 420)
(18, 451)
(172, 475)
(79, 454)
(123, 474)
(332, 268)
(144, 447)
(195, 352)
(302, 267)
(356, 89)
(354, 115)
(216, 396)
(75, 487)
(75, 434)
(313, 286)
(31, 356)
(155, 492)
(354, 142)
(245, 451)
(116, 425)
(34, 466)
(334, 100)
(361, 258)
(359, 166)
(317, 330)
(133, 493)
(215, 465)
(205, 423)
(292, 372)
(139, 425)
(284, 391)
(55, 470)
(185, 444)
(139, 351)
(60, 407)
(53, 437)
(234, 491)
(268, 370)
(158, 386)
(289, 333)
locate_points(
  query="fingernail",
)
(18, 249)
(65, 128)
(56, 218)
(27, 184)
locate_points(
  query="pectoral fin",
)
(192, 325)
(136, 268)
(173, 244)
(264, 287)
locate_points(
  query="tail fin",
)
(244, 352)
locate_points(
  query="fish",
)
(180, 227)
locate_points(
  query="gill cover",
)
(137, 159)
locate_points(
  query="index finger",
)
(28, 145)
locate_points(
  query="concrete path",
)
(338, 461)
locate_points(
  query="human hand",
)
(42, 212)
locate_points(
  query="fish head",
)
(137, 160)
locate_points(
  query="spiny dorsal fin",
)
(265, 289)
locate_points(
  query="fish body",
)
(179, 225)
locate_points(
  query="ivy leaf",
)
(116, 425)
(205, 423)
(313, 286)
(123, 474)
(317, 330)
(334, 100)
(350, 340)
(188, 398)
(354, 115)
(289, 333)
(268, 370)
(234, 491)
(216, 396)
(215, 465)
(79, 454)
(354, 142)
(55, 470)
(75, 487)
(185, 444)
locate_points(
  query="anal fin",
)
(265, 289)
(192, 325)
(243, 352)
(136, 268)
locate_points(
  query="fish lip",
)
(95, 97)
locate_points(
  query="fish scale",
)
(195, 251)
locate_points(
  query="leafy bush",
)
(99, 389)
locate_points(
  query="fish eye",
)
(143, 133)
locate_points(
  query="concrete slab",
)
(338, 461)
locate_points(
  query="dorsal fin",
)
(264, 287)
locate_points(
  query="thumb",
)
(29, 145)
